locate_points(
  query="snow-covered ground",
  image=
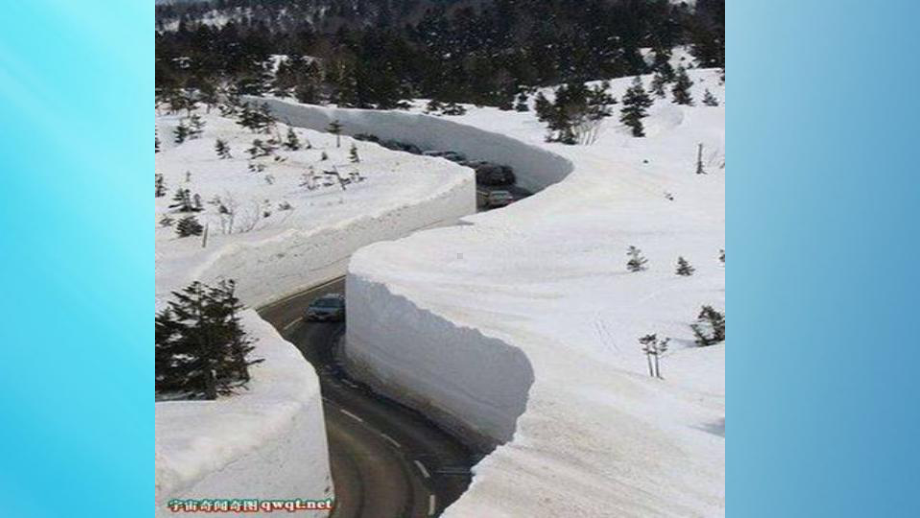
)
(285, 237)
(269, 442)
(527, 320)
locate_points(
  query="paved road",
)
(387, 461)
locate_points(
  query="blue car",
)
(328, 308)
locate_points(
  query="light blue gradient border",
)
(824, 416)
(76, 372)
(823, 407)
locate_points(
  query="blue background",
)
(822, 374)
(823, 407)
(76, 259)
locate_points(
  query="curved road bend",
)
(387, 461)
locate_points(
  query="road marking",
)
(390, 440)
(432, 505)
(353, 416)
(301, 293)
(292, 324)
(421, 467)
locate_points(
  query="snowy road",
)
(387, 460)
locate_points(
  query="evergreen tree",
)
(183, 201)
(709, 328)
(683, 267)
(658, 84)
(637, 262)
(222, 149)
(635, 105)
(335, 127)
(681, 89)
(292, 143)
(709, 99)
(156, 142)
(159, 185)
(189, 226)
(181, 133)
(166, 221)
(521, 103)
(353, 154)
(202, 351)
(196, 126)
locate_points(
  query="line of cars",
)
(494, 182)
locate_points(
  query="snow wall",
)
(387, 332)
(270, 269)
(270, 441)
(536, 168)
(267, 442)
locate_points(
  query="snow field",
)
(270, 441)
(527, 319)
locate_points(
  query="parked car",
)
(494, 199)
(367, 137)
(494, 175)
(328, 308)
(453, 156)
(401, 146)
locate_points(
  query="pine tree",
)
(166, 221)
(658, 84)
(353, 154)
(181, 133)
(635, 105)
(722, 256)
(196, 126)
(637, 262)
(292, 143)
(681, 89)
(156, 142)
(683, 267)
(183, 201)
(521, 103)
(709, 99)
(335, 127)
(189, 226)
(709, 328)
(159, 185)
(434, 106)
(223, 149)
(202, 351)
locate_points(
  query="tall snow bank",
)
(387, 332)
(536, 168)
(268, 442)
(547, 278)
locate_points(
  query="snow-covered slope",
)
(270, 442)
(285, 237)
(527, 319)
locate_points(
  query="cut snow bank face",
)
(533, 305)
(268, 442)
(479, 404)
(535, 167)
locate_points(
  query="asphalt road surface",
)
(387, 460)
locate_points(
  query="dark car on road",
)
(494, 175)
(328, 308)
